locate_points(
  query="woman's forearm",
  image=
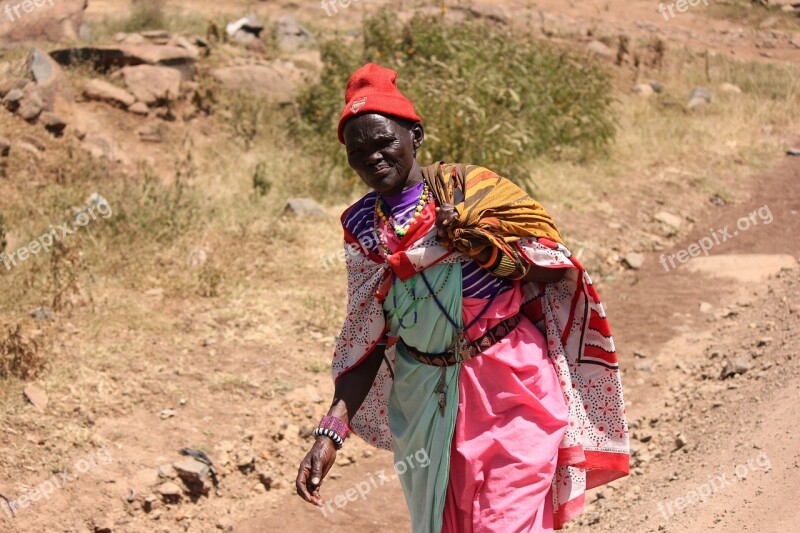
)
(352, 387)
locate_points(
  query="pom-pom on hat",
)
(373, 89)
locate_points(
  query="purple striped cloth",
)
(476, 282)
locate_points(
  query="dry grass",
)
(660, 142)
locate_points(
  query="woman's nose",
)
(374, 158)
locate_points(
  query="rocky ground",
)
(139, 406)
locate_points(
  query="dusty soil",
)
(246, 382)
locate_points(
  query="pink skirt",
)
(511, 418)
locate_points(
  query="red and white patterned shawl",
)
(595, 448)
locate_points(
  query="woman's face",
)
(382, 151)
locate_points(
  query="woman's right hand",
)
(314, 468)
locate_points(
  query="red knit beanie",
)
(373, 89)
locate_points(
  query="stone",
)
(680, 441)
(156, 36)
(31, 149)
(634, 260)
(730, 88)
(152, 84)
(33, 140)
(696, 103)
(42, 313)
(304, 207)
(122, 55)
(55, 124)
(190, 470)
(52, 21)
(671, 220)
(644, 89)
(738, 366)
(98, 147)
(702, 93)
(36, 396)
(265, 79)
(292, 35)
(5, 147)
(98, 89)
(706, 307)
(248, 25)
(167, 471)
(32, 103)
(54, 88)
(139, 108)
(598, 48)
(170, 491)
(12, 99)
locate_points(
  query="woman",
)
(471, 334)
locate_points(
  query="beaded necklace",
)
(400, 231)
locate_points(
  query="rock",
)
(33, 140)
(32, 103)
(152, 84)
(764, 341)
(36, 396)
(54, 88)
(696, 103)
(702, 93)
(597, 47)
(105, 57)
(156, 36)
(98, 89)
(184, 43)
(304, 207)
(673, 221)
(730, 88)
(170, 492)
(190, 470)
(31, 149)
(245, 461)
(706, 307)
(292, 35)
(247, 25)
(265, 79)
(46, 21)
(139, 108)
(657, 87)
(634, 260)
(680, 441)
(166, 413)
(42, 313)
(5, 147)
(644, 89)
(167, 471)
(98, 147)
(738, 366)
(13, 98)
(55, 124)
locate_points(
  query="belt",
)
(461, 351)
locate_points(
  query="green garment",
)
(419, 427)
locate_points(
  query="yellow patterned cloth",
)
(491, 209)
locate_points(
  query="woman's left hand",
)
(446, 216)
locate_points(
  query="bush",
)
(487, 96)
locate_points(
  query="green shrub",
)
(487, 95)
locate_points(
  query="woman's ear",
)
(418, 134)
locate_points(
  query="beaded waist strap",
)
(460, 352)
